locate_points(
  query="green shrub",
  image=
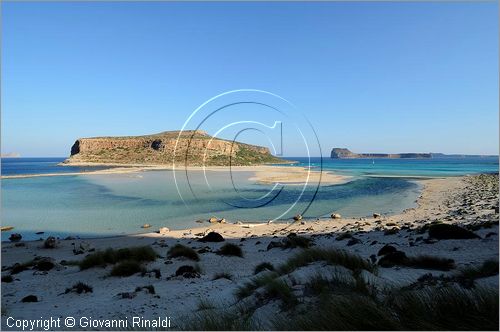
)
(230, 249)
(263, 267)
(182, 251)
(126, 268)
(431, 263)
(279, 289)
(223, 275)
(112, 256)
(330, 256)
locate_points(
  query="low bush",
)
(263, 267)
(230, 249)
(448, 232)
(79, 288)
(223, 275)
(330, 256)
(182, 251)
(112, 256)
(126, 268)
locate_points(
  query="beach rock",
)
(212, 237)
(146, 226)
(297, 217)
(392, 259)
(163, 230)
(45, 264)
(15, 237)
(376, 215)
(222, 221)
(353, 241)
(213, 220)
(187, 271)
(336, 216)
(30, 298)
(387, 249)
(344, 236)
(127, 295)
(447, 232)
(17, 268)
(7, 279)
(391, 231)
(274, 244)
(50, 243)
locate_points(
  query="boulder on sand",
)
(336, 216)
(387, 249)
(449, 232)
(163, 230)
(15, 237)
(212, 237)
(297, 217)
(50, 243)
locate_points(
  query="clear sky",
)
(373, 77)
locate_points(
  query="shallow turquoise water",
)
(104, 205)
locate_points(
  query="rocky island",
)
(342, 153)
(194, 148)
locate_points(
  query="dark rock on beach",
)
(212, 237)
(30, 298)
(448, 232)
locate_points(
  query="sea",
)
(91, 205)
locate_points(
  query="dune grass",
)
(330, 256)
(430, 263)
(112, 256)
(230, 249)
(126, 268)
(279, 289)
(488, 269)
(264, 266)
(182, 251)
(223, 275)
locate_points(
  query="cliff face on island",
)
(342, 153)
(158, 149)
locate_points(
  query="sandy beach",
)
(262, 174)
(470, 202)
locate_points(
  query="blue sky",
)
(373, 77)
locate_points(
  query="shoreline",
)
(238, 228)
(265, 174)
(180, 296)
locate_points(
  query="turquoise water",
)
(405, 167)
(104, 205)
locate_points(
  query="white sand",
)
(179, 297)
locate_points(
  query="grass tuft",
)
(330, 256)
(223, 275)
(112, 256)
(230, 249)
(265, 266)
(79, 288)
(126, 269)
(182, 251)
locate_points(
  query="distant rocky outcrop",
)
(342, 153)
(194, 148)
(11, 155)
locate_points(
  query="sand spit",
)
(469, 202)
